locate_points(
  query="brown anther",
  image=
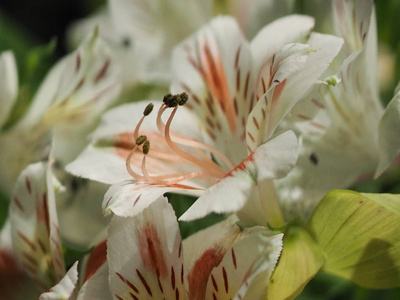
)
(183, 98)
(146, 147)
(141, 139)
(148, 109)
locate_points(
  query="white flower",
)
(338, 122)
(238, 94)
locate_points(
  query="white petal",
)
(8, 84)
(129, 198)
(153, 29)
(97, 286)
(36, 237)
(214, 67)
(145, 255)
(271, 160)
(389, 137)
(352, 19)
(79, 87)
(282, 97)
(260, 264)
(66, 289)
(275, 35)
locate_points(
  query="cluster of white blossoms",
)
(257, 130)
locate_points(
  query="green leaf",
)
(300, 260)
(360, 235)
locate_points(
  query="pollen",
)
(141, 139)
(148, 109)
(146, 147)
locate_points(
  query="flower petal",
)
(216, 73)
(8, 85)
(271, 160)
(144, 254)
(274, 36)
(246, 268)
(35, 232)
(389, 138)
(78, 88)
(97, 286)
(284, 94)
(152, 29)
(204, 251)
(66, 289)
(129, 198)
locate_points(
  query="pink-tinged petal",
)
(97, 286)
(389, 137)
(144, 254)
(34, 224)
(78, 88)
(284, 94)
(129, 198)
(214, 67)
(66, 289)
(8, 85)
(271, 160)
(204, 251)
(258, 265)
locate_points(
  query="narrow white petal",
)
(8, 84)
(66, 289)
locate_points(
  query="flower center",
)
(195, 153)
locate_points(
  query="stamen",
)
(141, 139)
(146, 147)
(184, 140)
(208, 165)
(146, 112)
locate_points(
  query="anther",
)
(141, 139)
(148, 109)
(183, 98)
(146, 147)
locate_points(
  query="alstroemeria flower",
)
(34, 232)
(238, 94)
(147, 259)
(339, 121)
(70, 100)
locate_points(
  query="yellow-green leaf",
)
(301, 259)
(360, 235)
